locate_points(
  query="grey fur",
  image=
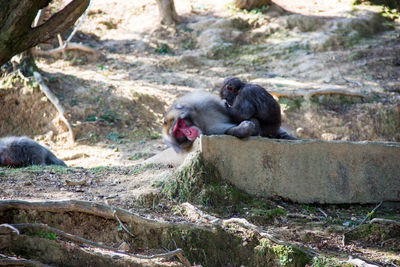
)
(23, 151)
(207, 112)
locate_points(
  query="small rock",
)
(300, 130)
(124, 247)
(329, 136)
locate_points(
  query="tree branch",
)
(54, 100)
(59, 22)
(16, 34)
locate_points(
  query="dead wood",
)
(361, 223)
(120, 222)
(9, 226)
(317, 92)
(381, 220)
(361, 262)
(57, 253)
(197, 214)
(13, 261)
(96, 209)
(63, 234)
(310, 217)
(62, 49)
(91, 243)
(54, 100)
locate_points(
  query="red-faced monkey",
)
(198, 113)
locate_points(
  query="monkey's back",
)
(265, 104)
(267, 109)
(23, 151)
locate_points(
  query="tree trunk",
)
(25, 63)
(16, 17)
(251, 4)
(167, 12)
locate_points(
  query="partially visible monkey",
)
(22, 151)
(198, 113)
(245, 101)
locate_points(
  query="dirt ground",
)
(115, 101)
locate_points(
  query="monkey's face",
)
(230, 89)
(183, 130)
(5, 161)
(178, 131)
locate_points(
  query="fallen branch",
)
(6, 225)
(13, 261)
(386, 241)
(323, 212)
(360, 262)
(381, 220)
(60, 42)
(67, 47)
(92, 243)
(54, 100)
(246, 224)
(96, 209)
(302, 216)
(120, 222)
(195, 213)
(63, 234)
(317, 92)
(361, 223)
(105, 211)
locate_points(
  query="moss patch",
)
(200, 183)
(268, 254)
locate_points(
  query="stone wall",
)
(308, 171)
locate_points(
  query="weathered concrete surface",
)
(308, 171)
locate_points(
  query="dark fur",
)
(207, 113)
(22, 152)
(245, 101)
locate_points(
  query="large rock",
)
(308, 171)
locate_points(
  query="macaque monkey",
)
(199, 113)
(22, 151)
(251, 102)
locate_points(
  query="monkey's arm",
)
(241, 110)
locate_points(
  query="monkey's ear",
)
(229, 88)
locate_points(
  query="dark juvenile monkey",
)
(22, 151)
(245, 101)
(198, 113)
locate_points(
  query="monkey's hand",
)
(226, 104)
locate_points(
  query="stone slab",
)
(308, 171)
